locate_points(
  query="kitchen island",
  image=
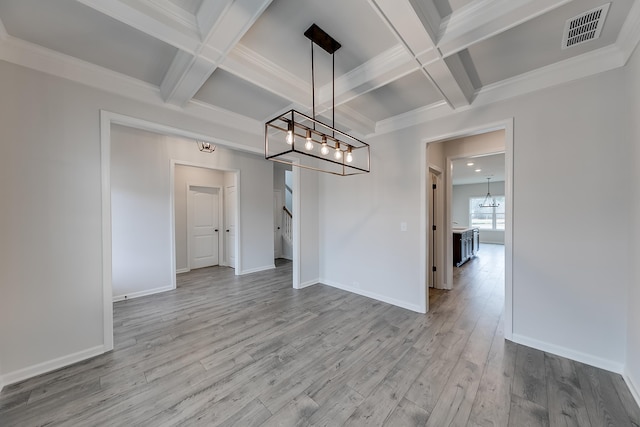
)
(466, 243)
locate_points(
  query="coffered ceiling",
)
(244, 61)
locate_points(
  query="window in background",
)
(486, 218)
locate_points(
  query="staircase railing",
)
(287, 225)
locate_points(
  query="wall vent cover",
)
(584, 27)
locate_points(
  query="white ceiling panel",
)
(227, 91)
(538, 42)
(405, 94)
(73, 29)
(464, 170)
(279, 35)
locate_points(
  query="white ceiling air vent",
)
(584, 27)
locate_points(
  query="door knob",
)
(227, 231)
(216, 230)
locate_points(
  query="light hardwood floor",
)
(248, 351)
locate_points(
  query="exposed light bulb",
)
(309, 144)
(324, 150)
(337, 154)
(290, 134)
(349, 156)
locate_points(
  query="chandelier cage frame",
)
(297, 139)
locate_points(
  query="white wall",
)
(460, 207)
(184, 176)
(51, 246)
(633, 320)
(569, 284)
(140, 214)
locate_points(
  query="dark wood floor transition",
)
(250, 350)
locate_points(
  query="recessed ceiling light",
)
(470, 164)
(478, 170)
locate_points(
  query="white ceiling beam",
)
(384, 68)
(264, 73)
(229, 20)
(414, 30)
(482, 19)
(146, 18)
(389, 66)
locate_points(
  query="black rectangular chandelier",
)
(299, 140)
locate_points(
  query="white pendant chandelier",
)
(297, 139)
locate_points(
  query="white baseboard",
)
(375, 296)
(257, 269)
(51, 365)
(578, 356)
(183, 270)
(634, 386)
(142, 293)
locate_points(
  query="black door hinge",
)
(433, 268)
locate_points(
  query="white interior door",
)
(230, 225)
(204, 226)
(277, 223)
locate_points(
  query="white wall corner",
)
(373, 295)
(578, 356)
(634, 386)
(49, 366)
(308, 283)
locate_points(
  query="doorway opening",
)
(463, 156)
(154, 255)
(205, 214)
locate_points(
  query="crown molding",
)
(482, 19)
(173, 12)
(629, 36)
(150, 21)
(587, 64)
(575, 68)
(411, 118)
(54, 63)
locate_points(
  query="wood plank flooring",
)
(252, 351)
